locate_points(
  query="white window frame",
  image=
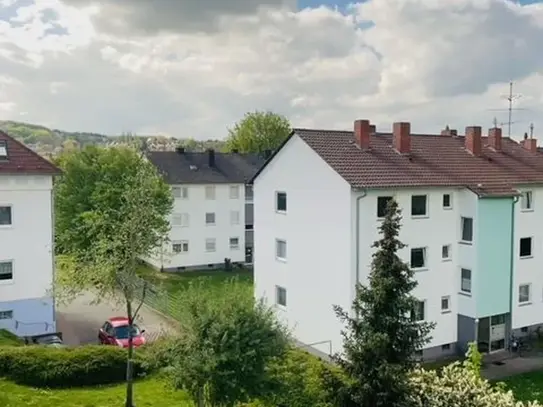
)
(3, 150)
(531, 247)
(211, 245)
(10, 214)
(528, 299)
(214, 219)
(210, 192)
(448, 299)
(277, 254)
(234, 246)
(10, 280)
(449, 255)
(277, 193)
(462, 290)
(424, 255)
(450, 202)
(388, 197)
(234, 191)
(234, 217)
(425, 215)
(524, 207)
(184, 246)
(176, 192)
(6, 314)
(462, 220)
(277, 290)
(184, 193)
(423, 302)
(180, 219)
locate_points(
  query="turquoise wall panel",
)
(494, 229)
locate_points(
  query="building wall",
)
(197, 231)
(440, 277)
(28, 242)
(528, 270)
(493, 272)
(34, 316)
(317, 229)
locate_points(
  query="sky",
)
(192, 69)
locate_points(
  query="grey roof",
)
(194, 167)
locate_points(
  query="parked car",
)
(115, 332)
(52, 340)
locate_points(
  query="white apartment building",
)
(212, 217)
(472, 222)
(26, 240)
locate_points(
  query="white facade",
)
(318, 268)
(26, 250)
(207, 226)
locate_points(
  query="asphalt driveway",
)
(80, 320)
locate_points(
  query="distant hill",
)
(49, 142)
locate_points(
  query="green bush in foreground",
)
(41, 366)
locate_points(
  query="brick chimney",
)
(529, 144)
(473, 140)
(495, 138)
(402, 137)
(362, 133)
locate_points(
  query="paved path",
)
(512, 367)
(80, 321)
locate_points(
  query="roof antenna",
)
(495, 122)
(531, 130)
(511, 98)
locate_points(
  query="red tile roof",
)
(22, 160)
(434, 161)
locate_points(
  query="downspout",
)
(511, 266)
(357, 235)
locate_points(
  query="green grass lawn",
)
(527, 386)
(175, 282)
(150, 392)
(9, 339)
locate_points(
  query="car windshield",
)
(121, 332)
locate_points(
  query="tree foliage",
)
(258, 132)
(111, 208)
(226, 345)
(382, 337)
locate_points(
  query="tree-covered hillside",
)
(49, 142)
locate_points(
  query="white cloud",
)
(424, 61)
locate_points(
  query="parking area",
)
(80, 320)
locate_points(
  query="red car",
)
(115, 332)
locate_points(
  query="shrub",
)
(41, 366)
(9, 339)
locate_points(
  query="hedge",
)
(41, 366)
(9, 339)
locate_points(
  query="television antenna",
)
(511, 99)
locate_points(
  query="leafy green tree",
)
(111, 209)
(227, 343)
(383, 334)
(258, 132)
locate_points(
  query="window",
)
(176, 191)
(445, 347)
(382, 204)
(234, 243)
(210, 245)
(418, 312)
(524, 293)
(447, 204)
(234, 192)
(281, 249)
(446, 252)
(281, 201)
(418, 205)
(234, 217)
(210, 218)
(6, 315)
(180, 246)
(280, 296)
(524, 329)
(180, 219)
(445, 304)
(465, 284)
(526, 247)
(5, 215)
(526, 202)
(418, 258)
(467, 229)
(3, 150)
(210, 192)
(6, 270)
